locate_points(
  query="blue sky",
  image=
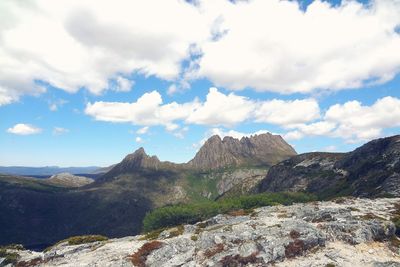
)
(101, 84)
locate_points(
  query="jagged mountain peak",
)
(262, 149)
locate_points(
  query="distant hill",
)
(46, 171)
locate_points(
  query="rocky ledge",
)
(343, 232)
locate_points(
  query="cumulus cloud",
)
(287, 113)
(353, 121)
(123, 85)
(221, 109)
(147, 110)
(24, 129)
(138, 139)
(75, 44)
(217, 110)
(265, 45)
(276, 46)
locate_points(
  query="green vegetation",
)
(13, 246)
(77, 240)
(9, 257)
(191, 213)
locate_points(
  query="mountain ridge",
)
(373, 169)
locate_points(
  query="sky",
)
(84, 83)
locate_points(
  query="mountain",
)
(46, 171)
(69, 180)
(115, 203)
(349, 232)
(371, 170)
(136, 161)
(257, 150)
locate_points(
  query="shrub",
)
(9, 257)
(77, 240)
(170, 216)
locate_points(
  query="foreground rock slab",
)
(346, 232)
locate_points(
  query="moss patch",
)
(78, 240)
(139, 257)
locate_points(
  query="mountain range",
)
(48, 170)
(40, 213)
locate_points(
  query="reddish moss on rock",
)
(294, 248)
(139, 258)
(294, 234)
(237, 260)
(215, 250)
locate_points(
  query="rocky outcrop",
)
(346, 232)
(264, 149)
(69, 180)
(371, 170)
(240, 181)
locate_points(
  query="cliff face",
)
(347, 232)
(371, 170)
(263, 149)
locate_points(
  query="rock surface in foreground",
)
(349, 232)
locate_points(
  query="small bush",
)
(177, 232)
(77, 240)
(9, 257)
(13, 246)
(170, 216)
(139, 257)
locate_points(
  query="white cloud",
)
(265, 45)
(147, 110)
(287, 113)
(73, 44)
(180, 133)
(60, 131)
(54, 105)
(217, 110)
(220, 109)
(275, 46)
(24, 129)
(353, 121)
(293, 135)
(143, 130)
(139, 139)
(123, 85)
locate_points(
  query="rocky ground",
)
(346, 232)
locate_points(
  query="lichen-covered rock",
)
(346, 232)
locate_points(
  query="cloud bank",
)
(264, 45)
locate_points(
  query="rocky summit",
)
(371, 170)
(263, 149)
(345, 232)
